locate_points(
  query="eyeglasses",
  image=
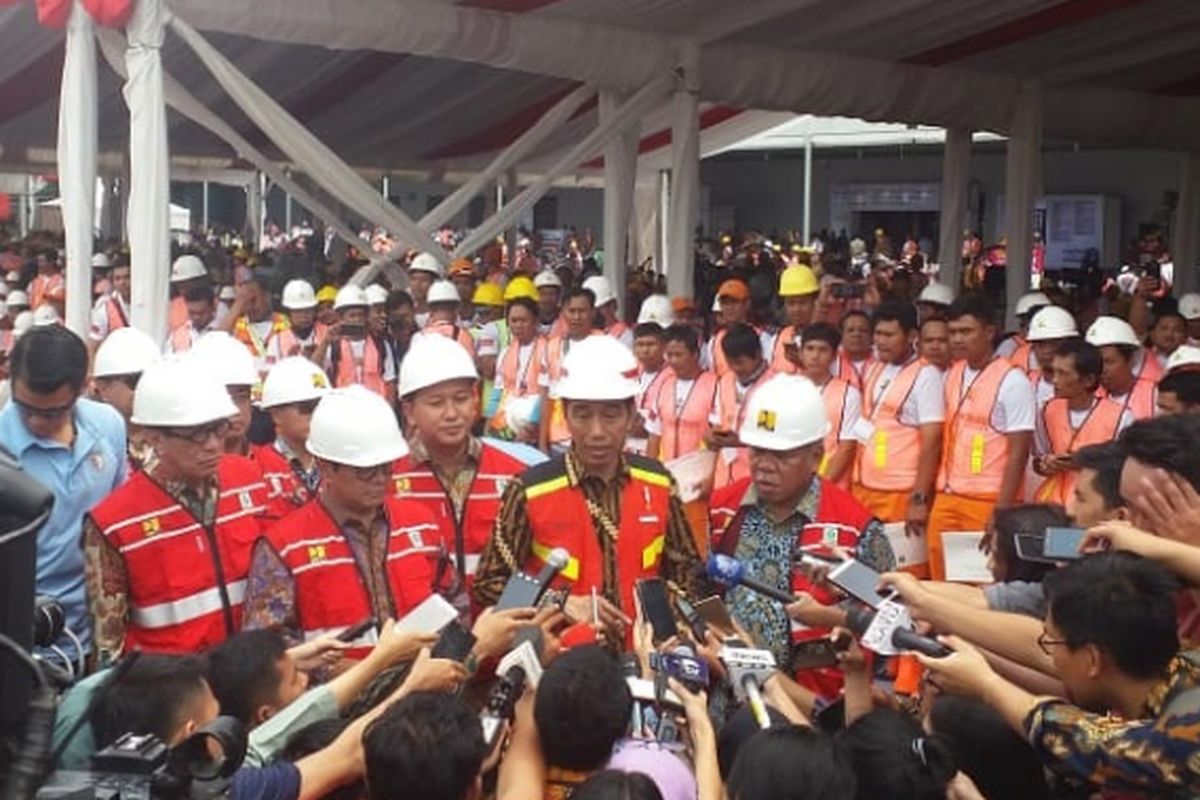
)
(37, 412)
(1045, 642)
(201, 433)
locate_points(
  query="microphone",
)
(519, 666)
(731, 572)
(556, 562)
(748, 669)
(525, 591)
(859, 618)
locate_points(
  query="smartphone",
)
(857, 580)
(521, 591)
(813, 654)
(434, 613)
(455, 643)
(848, 291)
(656, 608)
(355, 631)
(688, 670)
(1062, 544)
(352, 331)
(1031, 547)
(693, 619)
(714, 613)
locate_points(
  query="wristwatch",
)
(917, 498)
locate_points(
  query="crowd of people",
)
(261, 516)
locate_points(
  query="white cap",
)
(13, 276)
(937, 294)
(227, 293)
(1189, 306)
(1029, 301)
(100, 261)
(298, 295)
(1186, 355)
(177, 392)
(349, 296)
(125, 351)
(1112, 330)
(657, 308)
(442, 292)
(599, 286)
(293, 380)
(186, 268)
(427, 262)
(17, 297)
(46, 315)
(598, 368)
(784, 413)
(226, 358)
(356, 427)
(547, 277)
(376, 295)
(433, 359)
(22, 322)
(1052, 322)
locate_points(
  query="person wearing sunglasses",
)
(290, 395)
(167, 553)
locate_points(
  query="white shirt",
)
(708, 353)
(925, 404)
(524, 353)
(1016, 407)
(1041, 438)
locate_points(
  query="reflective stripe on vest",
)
(187, 608)
(888, 462)
(974, 453)
(684, 428)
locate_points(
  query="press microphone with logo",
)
(859, 618)
(730, 572)
(520, 666)
(525, 591)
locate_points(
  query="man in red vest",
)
(168, 552)
(290, 395)
(456, 476)
(618, 515)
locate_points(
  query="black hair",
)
(200, 294)
(994, 756)
(1184, 385)
(1106, 460)
(397, 298)
(526, 303)
(427, 745)
(579, 291)
(791, 763)
(1008, 523)
(739, 728)
(1121, 603)
(317, 736)
(1127, 351)
(244, 672)
(152, 695)
(1167, 442)
(741, 341)
(1170, 310)
(1085, 356)
(582, 708)
(48, 357)
(973, 304)
(650, 329)
(686, 335)
(892, 757)
(821, 332)
(939, 318)
(904, 314)
(851, 314)
(613, 784)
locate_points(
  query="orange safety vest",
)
(684, 427)
(1101, 425)
(115, 314)
(182, 337)
(1023, 358)
(647, 398)
(186, 581)
(329, 586)
(367, 371)
(292, 345)
(617, 329)
(556, 350)
(888, 463)
(452, 331)
(7, 340)
(1140, 402)
(265, 351)
(720, 364)
(973, 452)
(833, 393)
(779, 360)
(510, 384)
(559, 517)
(40, 287)
(178, 315)
(731, 420)
(1152, 369)
(285, 491)
(848, 372)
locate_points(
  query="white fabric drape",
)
(1185, 238)
(685, 179)
(148, 220)
(643, 224)
(77, 115)
(956, 176)
(1022, 168)
(620, 171)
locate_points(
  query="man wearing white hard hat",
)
(1130, 373)
(231, 365)
(933, 300)
(520, 393)
(422, 272)
(201, 312)
(606, 310)
(1189, 309)
(454, 474)
(579, 312)
(350, 354)
(111, 312)
(17, 301)
(264, 332)
(764, 519)
(649, 348)
(116, 369)
(550, 290)
(290, 395)
(1050, 328)
(443, 319)
(1016, 347)
(187, 273)
(304, 333)
(169, 551)
(48, 284)
(617, 515)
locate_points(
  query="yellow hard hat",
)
(488, 294)
(798, 280)
(327, 294)
(520, 286)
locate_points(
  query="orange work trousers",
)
(889, 507)
(954, 512)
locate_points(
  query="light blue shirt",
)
(80, 476)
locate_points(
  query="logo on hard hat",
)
(316, 553)
(766, 421)
(151, 526)
(319, 381)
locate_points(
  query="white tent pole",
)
(204, 198)
(620, 174)
(1186, 230)
(25, 205)
(385, 187)
(77, 113)
(685, 175)
(287, 211)
(253, 208)
(808, 166)
(662, 255)
(1021, 166)
(956, 175)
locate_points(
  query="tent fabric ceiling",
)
(395, 111)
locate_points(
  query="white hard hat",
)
(376, 295)
(13, 276)
(46, 315)
(1112, 330)
(936, 293)
(3, 309)
(356, 427)
(1052, 322)
(298, 295)
(442, 292)
(3, 289)
(1189, 306)
(598, 368)
(547, 277)
(125, 351)
(349, 296)
(657, 308)
(186, 268)
(22, 322)
(100, 261)
(599, 286)
(434, 359)
(427, 262)
(227, 293)
(784, 413)
(226, 358)
(293, 380)
(1030, 301)
(1186, 355)
(18, 297)
(177, 392)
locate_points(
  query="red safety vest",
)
(731, 420)
(285, 491)
(973, 452)
(367, 371)
(684, 428)
(888, 463)
(833, 394)
(330, 590)
(186, 582)
(1101, 425)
